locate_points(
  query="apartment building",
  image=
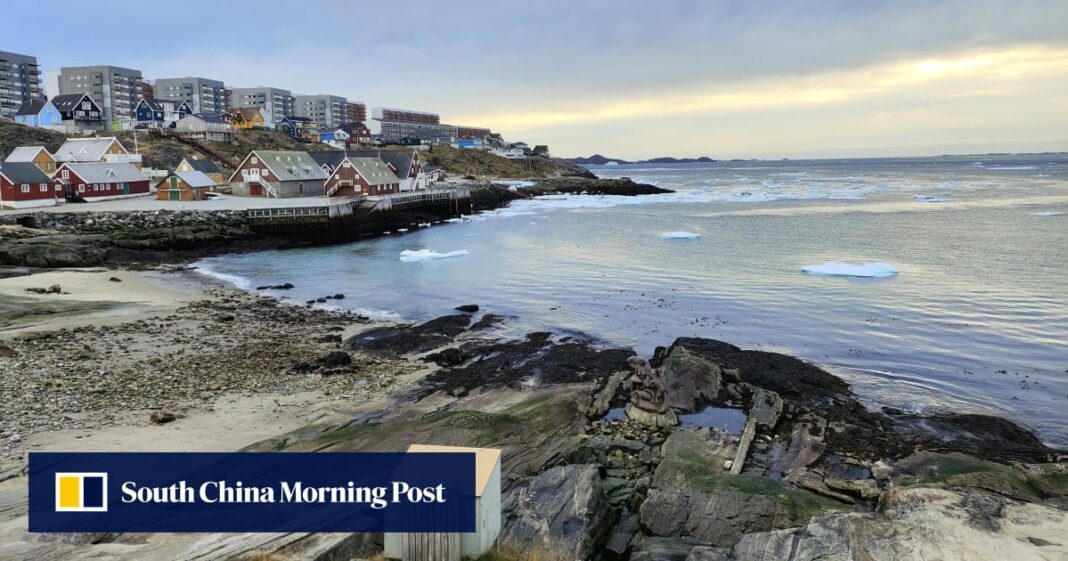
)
(275, 102)
(355, 112)
(203, 94)
(324, 110)
(20, 82)
(116, 89)
(392, 125)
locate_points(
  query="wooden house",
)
(100, 149)
(160, 113)
(100, 180)
(206, 166)
(38, 155)
(39, 113)
(408, 163)
(24, 185)
(79, 111)
(205, 126)
(456, 546)
(184, 186)
(279, 174)
(248, 118)
(362, 176)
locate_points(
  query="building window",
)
(44, 187)
(255, 160)
(25, 188)
(66, 174)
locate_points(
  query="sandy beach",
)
(84, 369)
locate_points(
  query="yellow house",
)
(248, 117)
(205, 166)
(38, 155)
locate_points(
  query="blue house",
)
(39, 113)
(160, 113)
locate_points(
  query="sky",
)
(628, 79)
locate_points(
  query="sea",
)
(929, 284)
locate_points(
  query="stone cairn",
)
(648, 396)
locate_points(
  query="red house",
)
(362, 176)
(100, 180)
(23, 185)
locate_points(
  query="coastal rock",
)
(397, 341)
(655, 548)
(562, 512)
(162, 417)
(602, 402)
(467, 308)
(650, 419)
(581, 185)
(690, 379)
(7, 352)
(336, 358)
(921, 523)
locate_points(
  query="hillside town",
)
(351, 153)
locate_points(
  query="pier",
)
(351, 216)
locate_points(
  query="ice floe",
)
(680, 235)
(836, 268)
(1049, 213)
(410, 255)
(932, 199)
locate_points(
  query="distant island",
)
(599, 160)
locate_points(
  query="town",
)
(350, 153)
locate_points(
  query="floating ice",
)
(1049, 213)
(680, 235)
(932, 199)
(410, 255)
(850, 270)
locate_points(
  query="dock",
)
(350, 216)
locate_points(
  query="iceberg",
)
(410, 255)
(835, 268)
(680, 235)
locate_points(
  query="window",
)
(96, 187)
(66, 174)
(255, 160)
(25, 187)
(81, 187)
(49, 165)
(43, 187)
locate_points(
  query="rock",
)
(766, 408)
(336, 358)
(804, 448)
(162, 417)
(603, 401)
(7, 352)
(14, 439)
(690, 379)
(920, 523)
(467, 308)
(450, 357)
(225, 318)
(646, 548)
(618, 544)
(54, 289)
(115, 279)
(650, 419)
(284, 286)
(562, 512)
(706, 553)
(867, 489)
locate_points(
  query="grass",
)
(800, 505)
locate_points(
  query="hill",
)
(13, 135)
(483, 165)
(599, 160)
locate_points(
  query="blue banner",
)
(252, 492)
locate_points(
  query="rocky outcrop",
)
(562, 512)
(581, 185)
(921, 524)
(691, 379)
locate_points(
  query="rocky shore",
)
(586, 186)
(813, 475)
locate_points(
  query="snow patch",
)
(410, 255)
(836, 268)
(680, 235)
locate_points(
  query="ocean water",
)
(962, 306)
